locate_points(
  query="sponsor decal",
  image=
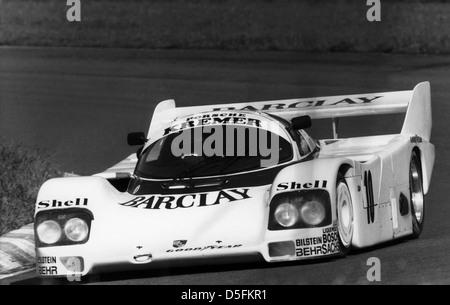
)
(416, 139)
(214, 119)
(136, 189)
(55, 203)
(50, 270)
(304, 104)
(296, 186)
(327, 243)
(179, 243)
(199, 249)
(157, 202)
(216, 115)
(47, 265)
(46, 260)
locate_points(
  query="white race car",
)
(250, 181)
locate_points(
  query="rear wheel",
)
(344, 207)
(417, 196)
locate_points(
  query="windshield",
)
(202, 152)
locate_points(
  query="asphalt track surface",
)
(79, 104)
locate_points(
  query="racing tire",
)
(345, 216)
(417, 201)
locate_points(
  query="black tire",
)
(417, 202)
(344, 210)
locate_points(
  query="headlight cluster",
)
(62, 227)
(300, 209)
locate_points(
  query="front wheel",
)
(344, 207)
(417, 196)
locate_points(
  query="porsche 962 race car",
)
(233, 180)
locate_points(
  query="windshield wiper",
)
(234, 159)
(188, 171)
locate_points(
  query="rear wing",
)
(416, 103)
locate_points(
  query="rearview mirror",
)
(301, 122)
(136, 138)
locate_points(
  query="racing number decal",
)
(369, 196)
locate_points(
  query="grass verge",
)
(22, 172)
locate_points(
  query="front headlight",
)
(62, 227)
(49, 232)
(286, 215)
(76, 229)
(300, 210)
(313, 212)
